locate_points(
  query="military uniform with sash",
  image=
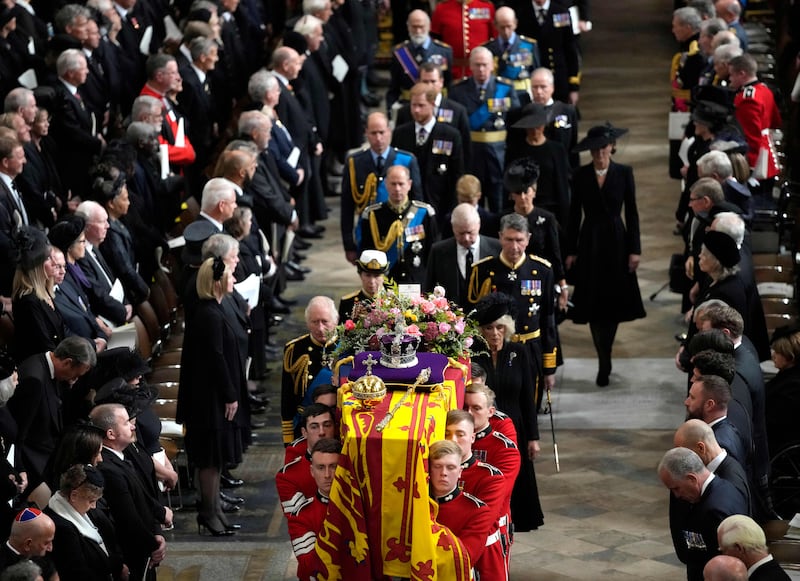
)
(405, 235)
(488, 110)
(348, 302)
(515, 60)
(406, 60)
(463, 26)
(306, 365)
(531, 284)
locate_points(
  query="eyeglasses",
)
(695, 198)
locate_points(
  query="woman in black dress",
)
(210, 389)
(552, 189)
(603, 251)
(38, 327)
(783, 391)
(508, 373)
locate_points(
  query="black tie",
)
(541, 16)
(379, 164)
(468, 263)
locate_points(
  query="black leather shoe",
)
(294, 275)
(318, 228)
(255, 400)
(299, 256)
(230, 498)
(228, 481)
(308, 232)
(275, 306)
(232, 527)
(301, 244)
(285, 301)
(257, 425)
(274, 320)
(292, 264)
(229, 507)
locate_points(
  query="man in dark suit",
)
(741, 537)
(708, 401)
(549, 22)
(127, 496)
(699, 502)
(95, 268)
(31, 537)
(437, 147)
(44, 380)
(12, 160)
(363, 178)
(73, 128)
(699, 437)
(465, 248)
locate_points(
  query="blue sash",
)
(407, 61)
(479, 117)
(416, 220)
(381, 195)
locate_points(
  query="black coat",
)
(132, 510)
(770, 571)
(37, 407)
(728, 437)
(441, 163)
(552, 186)
(604, 288)
(450, 112)
(79, 558)
(73, 305)
(37, 327)
(730, 470)
(212, 374)
(443, 269)
(93, 268)
(118, 250)
(39, 183)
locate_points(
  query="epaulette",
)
(370, 208)
(297, 441)
(500, 415)
(509, 443)
(400, 45)
(301, 505)
(542, 260)
(482, 260)
(694, 48)
(529, 39)
(288, 465)
(478, 502)
(503, 81)
(352, 295)
(296, 339)
(493, 470)
(428, 207)
(440, 43)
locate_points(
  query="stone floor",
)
(605, 511)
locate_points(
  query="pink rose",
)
(459, 327)
(349, 325)
(413, 330)
(427, 307)
(444, 328)
(441, 303)
(468, 342)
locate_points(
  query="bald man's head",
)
(698, 436)
(32, 533)
(725, 568)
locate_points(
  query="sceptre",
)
(423, 376)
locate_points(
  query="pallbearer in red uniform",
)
(306, 522)
(485, 482)
(496, 448)
(463, 24)
(468, 517)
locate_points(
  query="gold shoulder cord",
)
(362, 200)
(383, 244)
(475, 290)
(298, 369)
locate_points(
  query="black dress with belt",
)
(511, 380)
(605, 290)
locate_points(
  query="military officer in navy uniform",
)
(363, 179)
(307, 364)
(408, 56)
(529, 279)
(372, 266)
(515, 56)
(550, 23)
(404, 229)
(488, 100)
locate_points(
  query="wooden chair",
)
(161, 309)
(142, 340)
(779, 306)
(167, 389)
(774, 273)
(775, 530)
(165, 374)
(776, 321)
(170, 294)
(787, 553)
(145, 311)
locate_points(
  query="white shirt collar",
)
(119, 455)
(719, 459)
(706, 483)
(212, 220)
(6, 180)
(757, 564)
(428, 126)
(70, 87)
(200, 74)
(49, 358)
(281, 78)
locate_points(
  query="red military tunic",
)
(463, 25)
(304, 525)
(296, 449)
(497, 449)
(757, 113)
(295, 484)
(500, 422)
(469, 518)
(487, 483)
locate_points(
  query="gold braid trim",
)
(475, 290)
(298, 369)
(362, 200)
(383, 244)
